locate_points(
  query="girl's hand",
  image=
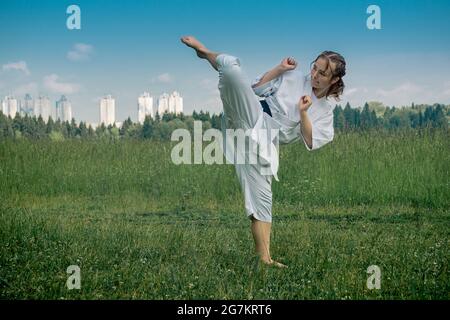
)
(288, 64)
(304, 103)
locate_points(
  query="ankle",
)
(266, 260)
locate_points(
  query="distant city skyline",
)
(42, 106)
(126, 48)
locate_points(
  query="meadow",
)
(140, 227)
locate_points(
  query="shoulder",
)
(293, 79)
(295, 74)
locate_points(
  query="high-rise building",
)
(171, 103)
(163, 104)
(107, 110)
(63, 109)
(175, 103)
(42, 107)
(4, 110)
(27, 108)
(145, 106)
(10, 106)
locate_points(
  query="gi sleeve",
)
(322, 132)
(268, 88)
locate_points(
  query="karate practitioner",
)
(294, 103)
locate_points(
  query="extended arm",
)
(285, 65)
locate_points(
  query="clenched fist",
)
(288, 64)
(304, 103)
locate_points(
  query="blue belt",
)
(265, 107)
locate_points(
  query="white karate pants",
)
(242, 110)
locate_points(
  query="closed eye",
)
(320, 71)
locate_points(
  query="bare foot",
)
(274, 263)
(192, 42)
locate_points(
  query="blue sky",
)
(127, 47)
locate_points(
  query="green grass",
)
(140, 227)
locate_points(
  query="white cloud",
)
(404, 90)
(19, 66)
(163, 78)
(53, 84)
(350, 92)
(80, 52)
(405, 94)
(31, 88)
(402, 94)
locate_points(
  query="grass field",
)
(140, 227)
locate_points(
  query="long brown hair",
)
(337, 88)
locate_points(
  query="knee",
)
(260, 218)
(225, 61)
(230, 72)
(229, 67)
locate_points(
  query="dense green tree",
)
(74, 129)
(91, 132)
(3, 126)
(163, 129)
(147, 128)
(114, 133)
(17, 122)
(348, 118)
(366, 118)
(438, 117)
(50, 126)
(41, 128)
(338, 117)
(125, 126)
(83, 130)
(216, 121)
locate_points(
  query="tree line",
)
(375, 115)
(372, 116)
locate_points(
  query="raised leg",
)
(202, 51)
(240, 104)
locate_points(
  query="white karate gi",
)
(242, 110)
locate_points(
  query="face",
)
(322, 74)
